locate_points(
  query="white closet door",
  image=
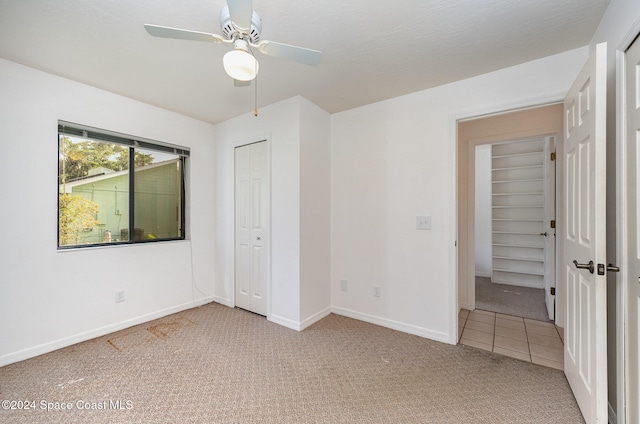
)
(251, 206)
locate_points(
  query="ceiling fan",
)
(241, 26)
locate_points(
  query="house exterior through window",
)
(115, 189)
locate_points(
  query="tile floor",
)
(533, 341)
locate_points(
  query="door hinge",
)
(552, 290)
(553, 155)
(552, 224)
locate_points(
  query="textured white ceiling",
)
(372, 49)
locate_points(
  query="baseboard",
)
(31, 352)
(394, 325)
(482, 274)
(223, 301)
(613, 419)
(299, 325)
(285, 322)
(315, 318)
(529, 286)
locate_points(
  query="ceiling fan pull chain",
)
(255, 93)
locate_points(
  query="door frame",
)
(233, 147)
(537, 120)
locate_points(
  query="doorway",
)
(534, 341)
(251, 227)
(514, 241)
(535, 123)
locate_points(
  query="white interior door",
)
(251, 205)
(632, 344)
(583, 237)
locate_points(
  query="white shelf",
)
(517, 219)
(515, 155)
(522, 233)
(539, 193)
(513, 168)
(526, 246)
(517, 178)
(524, 180)
(517, 258)
(519, 207)
(511, 271)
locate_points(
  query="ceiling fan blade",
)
(238, 83)
(294, 53)
(240, 12)
(182, 34)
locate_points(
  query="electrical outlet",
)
(344, 285)
(376, 291)
(119, 296)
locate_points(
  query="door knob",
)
(258, 238)
(544, 234)
(613, 268)
(590, 266)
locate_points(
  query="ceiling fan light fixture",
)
(241, 26)
(239, 64)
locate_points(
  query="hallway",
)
(538, 342)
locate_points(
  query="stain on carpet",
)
(139, 336)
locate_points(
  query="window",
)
(115, 189)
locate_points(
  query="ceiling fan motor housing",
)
(231, 32)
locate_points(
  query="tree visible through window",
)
(100, 199)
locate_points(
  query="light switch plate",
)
(423, 222)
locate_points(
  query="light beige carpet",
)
(214, 364)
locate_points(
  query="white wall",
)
(279, 125)
(393, 160)
(50, 299)
(483, 211)
(297, 135)
(315, 213)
